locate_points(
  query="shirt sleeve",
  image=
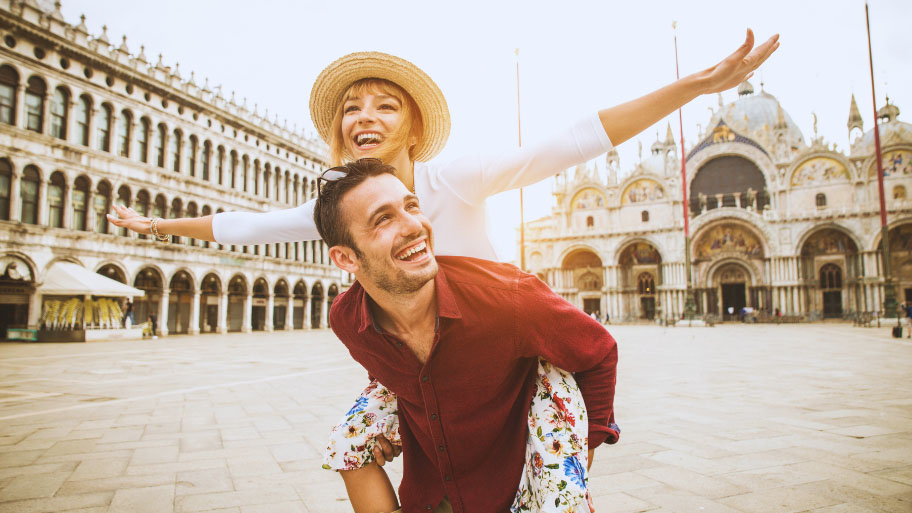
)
(245, 228)
(474, 178)
(550, 327)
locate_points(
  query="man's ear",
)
(344, 257)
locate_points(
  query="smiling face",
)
(393, 239)
(376, 119)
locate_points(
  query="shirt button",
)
(424, 379)
(446, 478)
(440, 448)
(398, 344)
(428, 507)
(433, 416)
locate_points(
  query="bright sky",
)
(574, 59)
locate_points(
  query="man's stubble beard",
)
(399, 283)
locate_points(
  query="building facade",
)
(85, 123)
(777, 224)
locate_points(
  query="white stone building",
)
(775, 222)
(84, 123)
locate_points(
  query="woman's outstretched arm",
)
(626, 120)
(193, 227)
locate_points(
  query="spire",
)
(669, 136)
(855, 120)
(781, 123)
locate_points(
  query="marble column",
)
(163, 313)
(323, 311)
(194, 325)
(270, 305)
(15, 195)
(42, 207)
(20, 106)
(248, 314)
(289, 313)
(307, 312)
(222, 326)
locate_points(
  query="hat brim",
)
(335, 79)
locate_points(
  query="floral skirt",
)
(554, 477)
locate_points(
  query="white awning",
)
(69, 279)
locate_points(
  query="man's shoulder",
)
(479, 272)
(344, 309)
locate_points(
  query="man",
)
(457, 339)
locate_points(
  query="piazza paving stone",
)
(731, 419)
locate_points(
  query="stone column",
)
(20, 106)
(68, 121)
(15, 195)
(67, 205)
(738, 199)
(248, 313)
(194, 326)
(307, 312)
(222, 325)
(42, 214)
(719, 198)
(163, 313)
(289, 314)
(270, 305)
(45, 102)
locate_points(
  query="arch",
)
(190, 155)
(59, 111)
(237, 300)
(817, 170)
(28, 194)
(149, 279)
(280, 304)
(581, 258)
(113, 270)
(101, 204)
(643, 190)
(174, 149)
(316, 305)
(731, 179)
(56, 192)
(726, 237)
(210, 291)
(181, 287)
(35, 91)
(9, 86)
(588, 198)
(83, 119)
(816, 230)
(638, 252)
(142, 139)
(158, 144)
(646, 283)
(299, 300)
(261, 292)
(897, 163)
(205, 155)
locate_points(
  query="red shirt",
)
(462, 415)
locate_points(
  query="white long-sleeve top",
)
(452, 196)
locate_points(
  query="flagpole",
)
(522, 224)
(889, 296)
(689, 304)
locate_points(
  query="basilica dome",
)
(892, 131)
(757, 115)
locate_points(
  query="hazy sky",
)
(574, 59)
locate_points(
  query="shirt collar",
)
(446, 304)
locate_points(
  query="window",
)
(123, 198)
(830, 277)
(55, 191)
(28, 195)
(83, 114)
(102, 204)
(644, 215)
(142, 140)
(204, 159)
(6, 182)
(34, 104)
(123, 133)
(267, 177)
(256, 177)
(645, 284)
(80, 197)
(9, 82)
(103, 128)
(590, 222)
(142, 206)
(190, 156)
(245, 164)
(233, 169)
(899, 192)
(174, 150)
(59, 113)
(158, 146)
(820, 199)
(219, 162)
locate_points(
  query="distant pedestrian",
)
(154, 322)
(907, 318)
(128, 315)
(607, 318)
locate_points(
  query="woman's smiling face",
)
(372, 125)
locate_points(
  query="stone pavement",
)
(754, 419)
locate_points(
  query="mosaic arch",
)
(728, 238)
(581, 258)
(643, 190)
(640, 253)
(588, 199)
(828, 241)
(895, 163)
(819, 171)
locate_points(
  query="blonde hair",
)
(412, 125)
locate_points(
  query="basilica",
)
(781, 227)
(86, 122)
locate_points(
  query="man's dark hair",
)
(331, 223)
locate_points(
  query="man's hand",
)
(385, 451)
(739, 66)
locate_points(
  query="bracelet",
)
(157, 234)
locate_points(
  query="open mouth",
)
(413, 253)
(368, 139)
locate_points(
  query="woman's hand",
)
(739, 66)
(131, 220)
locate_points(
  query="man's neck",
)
(405, 316)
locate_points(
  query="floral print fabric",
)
(554, 479)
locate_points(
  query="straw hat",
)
(333, 81)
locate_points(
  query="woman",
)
(376, 105)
